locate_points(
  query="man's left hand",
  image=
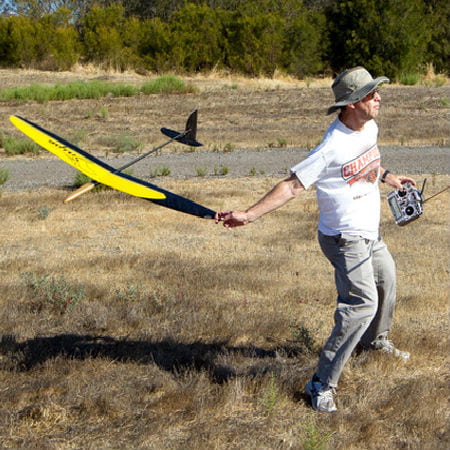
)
(397, 181)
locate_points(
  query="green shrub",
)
(167, 84)
(43, 212)
(201, 171)
(53, 292)
(409, 79)
(229, 147)
(82, 179)
(121, 143)
(221, 171)
(14, 146)
(160, 172)
(4, 175)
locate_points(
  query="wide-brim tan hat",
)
(352, 86)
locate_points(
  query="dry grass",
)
(127, 325)
(186, 336)
(244, 112)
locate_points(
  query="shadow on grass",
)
(167, 354)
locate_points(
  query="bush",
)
(15, 146)
(82, 179)
(4, 175)
(121, 143)
(52, 292)
(409, 79)
(167, 84)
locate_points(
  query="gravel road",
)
(29, 174)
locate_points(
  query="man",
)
(345, 169)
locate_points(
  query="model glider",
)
(105, 174)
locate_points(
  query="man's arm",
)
(396, 181)
(281, 193)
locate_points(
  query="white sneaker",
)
(386, 346)
(321, 396)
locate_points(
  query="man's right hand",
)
(232, 219)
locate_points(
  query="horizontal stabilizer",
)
(188, 137)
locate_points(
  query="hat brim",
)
(358, 95)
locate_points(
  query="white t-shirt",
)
(345, 168)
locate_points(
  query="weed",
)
(229, 147)
(160, 172)
(253, 171)
(4, 175)
(104, 112)
(201, 171)
(439, 81)
(122, 143)
(81, 179)
(43, 212)
(55, 293)
(315, 438)
(14, 146)
(280, 143)
(78, 89)
(445, 102)
(221, 171)
(130, 293)
(165, 171)
(167, 84)
(270, 396)
(302, 336)
(77, 136)
(409, 79)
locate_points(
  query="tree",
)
(40, 8)
(306, 43)
(439, 46)
(197, 38)
(254, 43)
(104, 31)
(155, 45)
(386, 36)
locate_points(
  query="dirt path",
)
(33, 174)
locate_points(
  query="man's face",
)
(369, 106)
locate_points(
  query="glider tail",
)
(189, 136)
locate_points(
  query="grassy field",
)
(125, 325)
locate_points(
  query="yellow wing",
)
(85, 162)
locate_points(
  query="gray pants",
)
(365, 280)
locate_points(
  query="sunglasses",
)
(371, 95)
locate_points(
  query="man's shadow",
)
(167, 354)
